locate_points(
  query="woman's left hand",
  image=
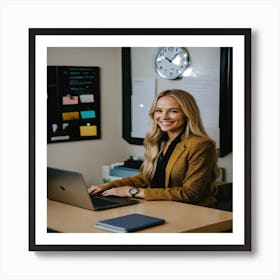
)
(120, 191)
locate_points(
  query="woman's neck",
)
(172, 136)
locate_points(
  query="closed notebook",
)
(129, 223)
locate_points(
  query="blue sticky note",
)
(89, 114)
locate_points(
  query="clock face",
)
(171, 62)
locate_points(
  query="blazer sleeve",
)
(137, 181)
(194, 185)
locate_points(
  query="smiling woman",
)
(180, 159)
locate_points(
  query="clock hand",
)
(176, 60)
(173, 60)
(169, 60)
(174, 57)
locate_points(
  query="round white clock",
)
(171, 62)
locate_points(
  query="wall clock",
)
(171, 62)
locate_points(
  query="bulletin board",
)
(73, 103)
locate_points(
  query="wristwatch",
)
(133, 191)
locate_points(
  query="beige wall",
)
(89, 156)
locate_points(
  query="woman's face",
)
(169, 115)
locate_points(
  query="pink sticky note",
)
(67, 100)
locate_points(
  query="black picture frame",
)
(245, 33)
(225, 97)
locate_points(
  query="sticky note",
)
(66, 116)
(89, 114)
(88, 130)
(86, 98)
(61, 138)
(70, 100)
(65, 125)
(54, 127)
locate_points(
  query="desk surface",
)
(179, 217)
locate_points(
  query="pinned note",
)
(65, 125)
(54, 127)
(70, 100)
(60, 138)
(89, 114)
(88, 130)
(86, 98)
(67, 116)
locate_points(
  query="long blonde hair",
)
(155, 135)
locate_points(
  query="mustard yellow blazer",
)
(190, 174)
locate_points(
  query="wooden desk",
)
(179, 217)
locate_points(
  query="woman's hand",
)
(96, 189)
(101, 189)
(120, 191)
(123, 192)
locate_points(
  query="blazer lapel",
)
(179, 149)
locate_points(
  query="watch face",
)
(171, 62)
(133, 191)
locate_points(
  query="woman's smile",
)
(166, 124)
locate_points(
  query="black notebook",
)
(129, 223)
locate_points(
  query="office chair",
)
(224, 196)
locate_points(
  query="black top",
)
(159, 178)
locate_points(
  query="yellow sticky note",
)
(88, 130)
(67, 116)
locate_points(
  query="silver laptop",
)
(69, 187)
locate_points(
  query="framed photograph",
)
(119, 54)
(212, 88)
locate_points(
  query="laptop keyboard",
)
(101, 201)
